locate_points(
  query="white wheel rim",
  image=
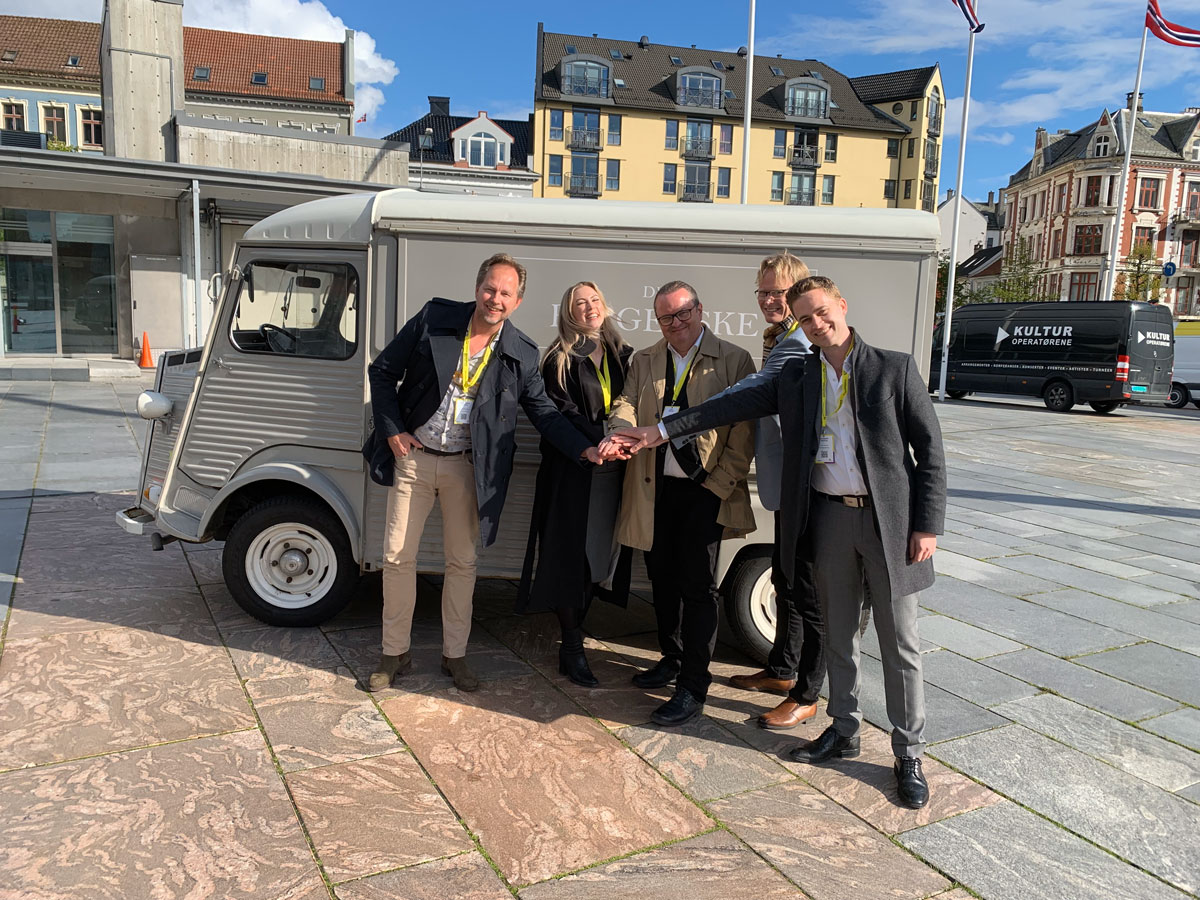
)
(291, 565)
(762, 606)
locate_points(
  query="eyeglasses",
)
(773, 295)
(681, 317)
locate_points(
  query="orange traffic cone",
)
(146, 362)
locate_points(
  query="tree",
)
(1142, 278)
(1021, 278)
(961, 291)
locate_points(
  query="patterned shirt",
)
(773, 333)
(441, 432)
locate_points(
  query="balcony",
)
(24, 140)
(1189, 214)
(806, 109)
(935, 125)
(585, 87)
(705, 99)
(583, 186)
(696, 148)
(805, 156)
(583, 139)
(931, 166)
(694, 192)
(800, 198)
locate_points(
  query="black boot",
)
(571, 660)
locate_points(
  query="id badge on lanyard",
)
(462, 411)
(825, 452)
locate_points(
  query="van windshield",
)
(298, 309)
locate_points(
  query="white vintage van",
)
(255, 438)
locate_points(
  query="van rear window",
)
(297, 309)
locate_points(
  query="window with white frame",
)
(91, 127)
(1100, 145)
(556, 124)
(776, 185)
(325, 128)
(588, 79)
(807, 100)
(699, 89)
(612, 174)
(13, 115)
(482, 150)
(780, 148)
(827, 190)
(554, 171)
(54, 122)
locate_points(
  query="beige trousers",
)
(421, 478)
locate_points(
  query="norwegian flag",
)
(968, 10)
(360, 119)
(1169, 31)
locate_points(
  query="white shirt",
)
(441, 432)
(843, 475)
(671, 467)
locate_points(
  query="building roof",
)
(43, 47)
(443, 126)
(979, 261)
(902, 85)
(647, 73)
(288, 62)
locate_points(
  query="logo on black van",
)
(1035, 336)
(1158, 338)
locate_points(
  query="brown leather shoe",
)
(787, 714)
(763, 681)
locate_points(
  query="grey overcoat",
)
(899, 449)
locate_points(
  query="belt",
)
(855, 500)
(433, 452)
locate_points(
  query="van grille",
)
(177, 383)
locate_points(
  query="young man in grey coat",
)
(865, 499)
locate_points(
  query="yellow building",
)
(632, 120)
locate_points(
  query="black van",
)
(1095, 352)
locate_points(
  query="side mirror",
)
(153, 405)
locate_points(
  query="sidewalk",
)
(157, 742)
(71, 369)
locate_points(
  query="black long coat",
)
(555, 572)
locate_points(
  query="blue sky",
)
(1054, 63)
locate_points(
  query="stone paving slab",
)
(1068, 575)
(714, 866)
(827, 851)
(1159, 668)
(1150, 758)
(1090, 688)
(991, 575)
(1080, 560)
(319, 717)
(466, 876)
(1085, 545)
(973, 681)
(546, 789)
(965, 640)
(76, 694)
(1171, 583)
(36, 614)
(407, 820)
(277, 652)
(1181, 726)
(1088, 797)
(205, 818)
(1004, 852)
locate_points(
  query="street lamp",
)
(424, 142)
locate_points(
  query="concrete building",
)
(978, 229)
(1063, 203)
(202, 134)
(468, 154)
(634, 120)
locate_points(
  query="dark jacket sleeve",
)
(753, 402)
(561, 397)
(545, 416)
(925, 437)
(387, 371)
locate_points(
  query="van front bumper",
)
(135, 520)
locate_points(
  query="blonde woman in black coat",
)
(572, 555)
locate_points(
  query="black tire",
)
(956, 395)
(750, 614)
(1058, 396)
(1179, 396)
(262, 546)
(1105, 406)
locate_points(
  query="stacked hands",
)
(625, 442)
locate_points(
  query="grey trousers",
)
(846, 549)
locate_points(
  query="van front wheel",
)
(750, 603)
(287, 561)
(1058, 396)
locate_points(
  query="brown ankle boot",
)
(457, 668)
(387, 669)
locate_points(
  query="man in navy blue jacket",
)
(445, 394)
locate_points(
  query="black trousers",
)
(799, 648)
(681, 564)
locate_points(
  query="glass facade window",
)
(586, 79)
(672, 139)
(699, 89)
(781, 137)
(614, 130)
(776, 185)
(556, 124)
(669, 174)
(612, 174)
(831, 141)
(554, 174)
(827, 190)
(724, 176)
(726, 139)
(86, 282)
(807, 100)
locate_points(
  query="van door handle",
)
(221, 364)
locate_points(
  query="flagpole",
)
(958, 188)
(1110, 278)
(748, 101)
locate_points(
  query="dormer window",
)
(482, 150)
(699, 89)
(316, 84)
(201, 73)
(73, 62)
(481, 144)
(776, 71)
(9, 56)
(1100, 147)
(585, 78)
(259, 78)
(807, 100)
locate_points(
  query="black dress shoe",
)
(682, 707)
(662, 673)
(910, 782)
(828, 746)
(575, 667)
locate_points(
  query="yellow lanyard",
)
(468, 380)
(787, 334)
(605, 383)
(682, 379)
(844, 382)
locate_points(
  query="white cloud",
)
(1003, 139)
